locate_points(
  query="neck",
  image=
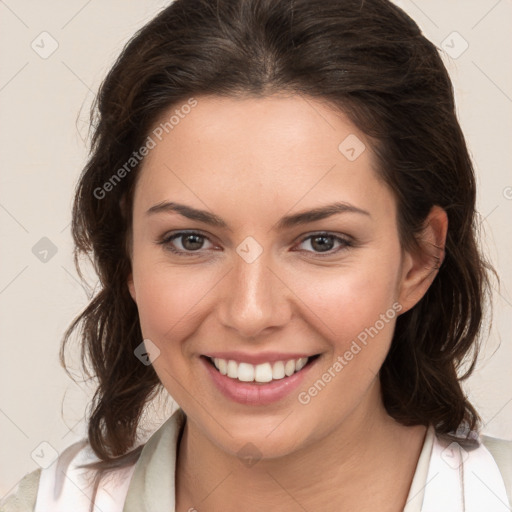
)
(367, 463)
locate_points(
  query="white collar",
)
(458, 480)
(463, 478)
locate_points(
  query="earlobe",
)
(421, 266)
(131, 287)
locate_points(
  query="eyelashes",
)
(192, 243)
(325, 242)
(191, 238)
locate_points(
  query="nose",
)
(255, 300)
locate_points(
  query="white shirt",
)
(448, 478)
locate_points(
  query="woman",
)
(280, 206)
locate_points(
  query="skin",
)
(252, 161)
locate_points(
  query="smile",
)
(258, 384)
(264, 372)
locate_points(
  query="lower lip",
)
(253, 393)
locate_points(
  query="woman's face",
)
(273, 240)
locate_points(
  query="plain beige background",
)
(44, 104)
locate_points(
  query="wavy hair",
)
(366, 58)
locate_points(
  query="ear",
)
(131, 287)
(421, 265)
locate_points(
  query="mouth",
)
(260, 374)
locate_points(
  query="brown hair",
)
(366, 58)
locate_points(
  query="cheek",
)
(347, 302)
(167, 302)
(355, 311)
(168, 299)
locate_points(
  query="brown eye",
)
(324, 243)
(186, 243)
(192, 242)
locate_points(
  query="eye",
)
(186, 242)
(324, 243)
(189, 243)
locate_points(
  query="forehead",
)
(272, 150)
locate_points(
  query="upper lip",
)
(267, 357)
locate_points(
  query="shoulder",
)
(501, 447)
(23, 497)
(501, 451)
(68, 485)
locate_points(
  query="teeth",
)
(278, 370)
(301, 363)
(289, 367)
(222, 365)
(245, 372)
(232, 370)
(264, 372)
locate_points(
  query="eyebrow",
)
(285, 222)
